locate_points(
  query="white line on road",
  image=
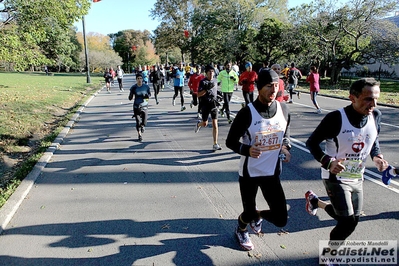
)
(376, 180)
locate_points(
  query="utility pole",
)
(86, 52)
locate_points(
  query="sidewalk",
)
(103, 198)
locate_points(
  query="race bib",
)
(353, 169)
(269, 140)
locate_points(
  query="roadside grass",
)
(34, 108)
(389, 89)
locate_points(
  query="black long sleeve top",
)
(330, 126)
(243, 120)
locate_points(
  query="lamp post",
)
(86, 52)
(88, 80)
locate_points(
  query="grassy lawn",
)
(33, 110)
(389, 90)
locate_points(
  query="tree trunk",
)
(335, 72)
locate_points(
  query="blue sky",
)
(106, 18)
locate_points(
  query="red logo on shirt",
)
(357, 146)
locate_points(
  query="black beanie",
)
(209, 67)
(265, 77)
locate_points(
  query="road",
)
(106, 199)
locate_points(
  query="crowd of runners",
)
(260, 134)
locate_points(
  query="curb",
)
(11, 206)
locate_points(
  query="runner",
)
(247, 81)
(108, 78)
(145, 75)
(162, 69)
(263, 128)
(228, 78)
(113, 74)
(294, 74)
(207, 92)
(119, 75)
(280, 94)
(313, 79)
(193, 84)
(351, 134)
(141, 93)
(178, 83)
(156, 77)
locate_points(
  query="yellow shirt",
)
(285, 71)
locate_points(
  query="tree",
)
(62, 48)
(384, 47)
(343, 34)
(128, 43)
(145, 55)
(101, 54)
(270, 40)
(177, 14)
(27, 24)
(218, 30)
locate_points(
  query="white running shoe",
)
(197, 126)
(256, 226)
(244, 240)
(217, 147)
(312, 210)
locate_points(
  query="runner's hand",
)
(380, 163)
(336, 166)
(287, 155)
(256, 150)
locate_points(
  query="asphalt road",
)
(103, 198)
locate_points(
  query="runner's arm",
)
(287, 134)
(328, 128)
(238, 128)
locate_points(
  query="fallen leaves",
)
(282, 232)
(254, 255)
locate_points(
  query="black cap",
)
(266, 76)
(209, 67)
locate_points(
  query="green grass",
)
(389, 90)
(29, 101)
(33, 110)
